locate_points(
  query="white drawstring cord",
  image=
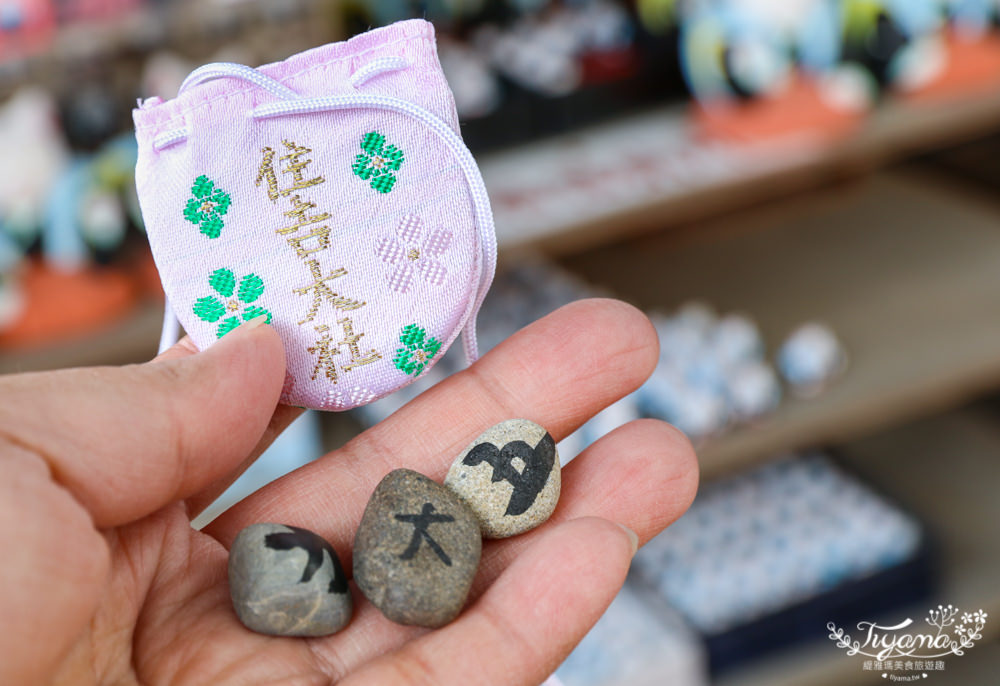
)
(377, 66)
(218, 70)
(165, 140)
(171, 327)
(291, 103)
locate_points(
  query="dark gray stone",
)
(286, 581)
(509, 477)
(416, 550)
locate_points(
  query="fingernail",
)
(633, 538)
(253, 323)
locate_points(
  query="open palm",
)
(104, 581)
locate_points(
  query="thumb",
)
(125, 441)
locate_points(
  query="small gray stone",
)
(416, 550)
(286, 581)
(509, 477)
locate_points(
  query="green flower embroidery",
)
(377, 162)
(207, 207)
(417, 352)
(223, 282)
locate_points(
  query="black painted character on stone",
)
(420, 524)
(313, 545)
(528, 483)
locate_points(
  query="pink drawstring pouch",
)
(330, 193)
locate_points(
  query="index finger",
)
(557, 372)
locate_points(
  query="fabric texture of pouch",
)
(331, 193)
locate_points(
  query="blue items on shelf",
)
(770, 556)
(810, 358)
(712, 372)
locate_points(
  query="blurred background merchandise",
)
(801, 193)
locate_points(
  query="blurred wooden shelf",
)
(946, 470)
(133, 339)
(196, 27)
(902, 267)
(649, 171)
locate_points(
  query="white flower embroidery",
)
(411, 250)
(287, 387)
(348, 398)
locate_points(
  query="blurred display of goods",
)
(765, 68)
(69, 267)
(714, 371)
(768, 557)
(756, 68)
(810, 358)
(635, 645)
(25, 26)
(80, 10)
(534, 69)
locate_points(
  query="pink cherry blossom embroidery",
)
(287, 387)
(346, 399)
(411, 250)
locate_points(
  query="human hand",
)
(104, 580)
